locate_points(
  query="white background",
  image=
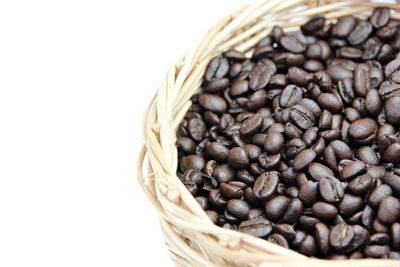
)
(75, 77)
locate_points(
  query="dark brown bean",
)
(257, 227)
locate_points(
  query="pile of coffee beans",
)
(300, 144)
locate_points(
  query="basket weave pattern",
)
(191, 237)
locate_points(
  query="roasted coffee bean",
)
(380, 17)
(239, 88)
(350, 204)
(231, 191)
(308, 247)
(392, 110)
(361, 80)
(330, 189)
(257, 227)
(186, 145)
(192, 162)
(274, 142)
(318, 171)
(256, 214)
(294, 147)
(392, 153)
(295, 43)
(342, 150)
(378, 194)
(214, 217)
(360, 33)
(308, 193)
(330, 102)
(379, 227)
(393, 180)
(293, 211)
(286, 230)
(203, 202)
(341, 236)
(276, 207)
(360, 238)
(216, 69)
(395, 235)
(303, 159)
(216, 199)
(266, 185)
(213, 103)
(308, 222)
(292, 131)
(237, 158)
(238, 208)
(389, 210)
(279, 240)
(301, 116)
(368, 155)
(362, 130)
(299, 76)
(260, 77)
(217, 151)
(310, 135)
(257, 100)
(290, 95)
(352, 170)
(344, 26)
(269, 162)
(314, 24)
(223, 173)
(380, 239)
(322, 238)
(324, 211)
(361, 184)
(376, 251)
(251, 125)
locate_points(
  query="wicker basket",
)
(191, 237)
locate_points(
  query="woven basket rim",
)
(190, 236)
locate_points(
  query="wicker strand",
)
(190, 236)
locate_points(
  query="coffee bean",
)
(361, 184)
(238, 208)
(392, 110)
(352, 170)
(216, 69)
(392, 153)
(274, 142)
(237, 158)
(293, 43)
(251, 125)
(257, 100)
(293, 211)
(389, 210)
(344, 26)
(186, 145)
(314, 24)
(330, 102)
(360, 33)
(330, 189)
(376, 251)
(231, 191)
(276, 207)
(260, 77)
(257, 227)
(322, 238)
(256, 213)
(341, 236)
(279, 240)
(361, 236)
(223, 173)
(303, 159)
(380, 17)
(378, 194)
(362, 129)
(395, 235)
(286, 230)
(393, 180)
(324, 211)
(308, 192)
(361, 80)
(380, 239)
(318, 171)
(266, 185)
(308, 247)
(350, 204)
